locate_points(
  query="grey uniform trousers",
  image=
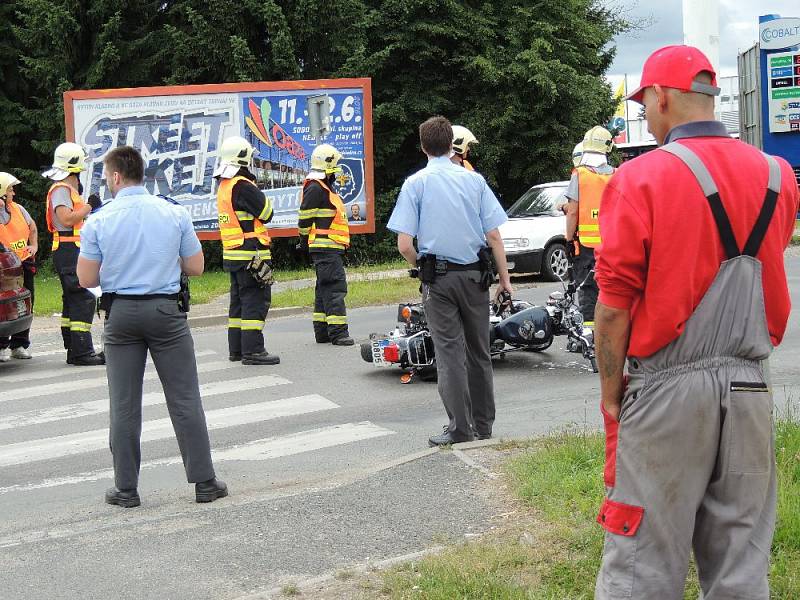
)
(457, 308)
(133, 328)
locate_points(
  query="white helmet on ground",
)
(68, 159)
(462, 138)
(326, 158)
(7, 180)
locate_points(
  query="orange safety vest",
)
(77, 202)
(467, 165)
(14, 234)
(338, 236)
(590, 192)
(230, 228)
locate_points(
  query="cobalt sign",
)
(779, 33)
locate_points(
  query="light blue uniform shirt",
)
(138, 237)
(448, 209)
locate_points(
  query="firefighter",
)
(17, 233)
(66, 212)
(243, 212)
(462, 139)
(324, 232)
(585, 190)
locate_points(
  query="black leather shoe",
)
(483, 436)
(234, 357)
(445, 439)
(343, 341)
(262, 358)
(123, 498)
(210, 490)
(89, 360)
(324, 340)
(70, 360)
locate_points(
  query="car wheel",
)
(554, 262)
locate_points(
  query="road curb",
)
(222, 319)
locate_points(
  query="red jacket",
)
(661, 249)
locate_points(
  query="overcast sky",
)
(738, 29)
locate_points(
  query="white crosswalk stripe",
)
(73, 385)
(97, 407)
(28, 375)
(159, 429)
(52, 408)
(276, 447)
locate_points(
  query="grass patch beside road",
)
(212, 284)
(554, 551)
(360, 293)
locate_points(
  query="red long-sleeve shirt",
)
(661, 250)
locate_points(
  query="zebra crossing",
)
(51, 414)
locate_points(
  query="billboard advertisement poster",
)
(179, 131)
(783, 89)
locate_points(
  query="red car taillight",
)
(391, 353)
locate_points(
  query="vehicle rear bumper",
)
(9, 328)
(525, 262)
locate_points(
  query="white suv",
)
(534, 233)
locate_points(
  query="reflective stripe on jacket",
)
(230, 224)
(590, 192)
(77, 202)
(14, 234)
(337, 236)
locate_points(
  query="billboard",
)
(179, 130)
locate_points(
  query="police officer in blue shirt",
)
(455, 218)
(135, 248)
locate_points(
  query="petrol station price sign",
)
(783, 85)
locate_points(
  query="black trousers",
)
(248, 311)
(330, 314)
(77, 304)
(22, 339)
(582, 269)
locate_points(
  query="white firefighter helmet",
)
(326, 158)
(577, 152)
(68, 159)
(7, 180)
(234, 153)
(462, 138)
(598, 139)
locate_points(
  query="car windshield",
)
(538, 201)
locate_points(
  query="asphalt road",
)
(325, 455)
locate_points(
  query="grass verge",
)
(359, 293)
(553, 552)
(213, 284)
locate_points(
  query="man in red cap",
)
(693, 294)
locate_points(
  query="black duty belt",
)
(144, 296)
(451, 266)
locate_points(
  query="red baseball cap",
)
(676, 67)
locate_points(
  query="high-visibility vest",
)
(467, 165)
(14, 234)
(77, 202)
(230, 227)
(590, 191)
(338, 236)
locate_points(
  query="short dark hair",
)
(126, 161)
(436, 136)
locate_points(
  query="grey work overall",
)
(694, 462)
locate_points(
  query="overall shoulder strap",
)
(767, 210)
(699, 170)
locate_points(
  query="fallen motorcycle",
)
(514, 325)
